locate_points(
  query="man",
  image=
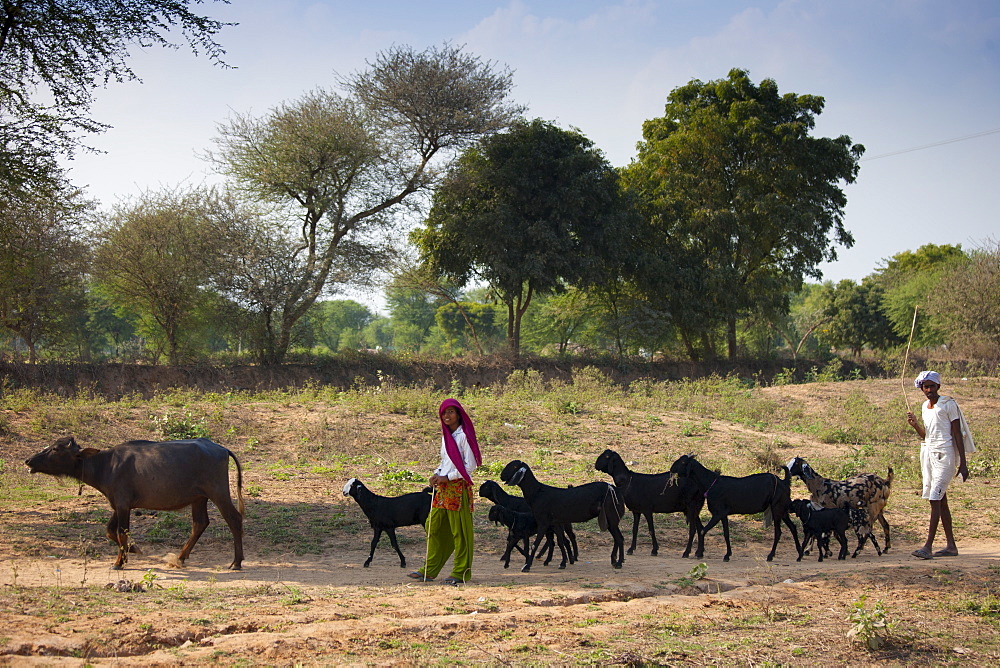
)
(945, 440)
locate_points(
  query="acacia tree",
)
(742, 201)
(43, 261)
(527, 212)
(342, 166)
(61, 51)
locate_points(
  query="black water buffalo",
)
(165, 475)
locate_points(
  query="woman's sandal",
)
(922, 554)
(417, 575)
(453, 581)
(946, 553)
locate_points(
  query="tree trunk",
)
(731, 337)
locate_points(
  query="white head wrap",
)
(932, 376)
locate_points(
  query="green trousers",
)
(450, 531)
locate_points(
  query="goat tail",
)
(768, 517)
(889, 477)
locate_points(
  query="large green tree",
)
(341, 167)
(55, 53)
(742, 200)
(527, 212)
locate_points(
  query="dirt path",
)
(285, 610)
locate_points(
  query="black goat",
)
(648, 493)
(385, 513)
(727, 495)
(520, 527)
(492, 490)
(818, 524)
(556, 506)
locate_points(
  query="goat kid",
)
(866, 491)
(818, 524)
(648, 493)
(727, 495)
(385, 513)
(556, 507)
(520, 527)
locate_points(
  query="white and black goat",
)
(648, 493)
(492, 490)
(385, 513)
(866, 491)
(557, 506)
(727, 495)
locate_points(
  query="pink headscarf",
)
(451, 447)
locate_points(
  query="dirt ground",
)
(308, 610)
(326, 609)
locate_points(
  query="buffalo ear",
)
(88, 452)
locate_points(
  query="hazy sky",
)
(904, 77)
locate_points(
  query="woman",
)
(449, 526)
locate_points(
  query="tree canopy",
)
(55, 53)
(340, 166)
(526, 212)
(743, 201)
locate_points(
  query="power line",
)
(938, 143)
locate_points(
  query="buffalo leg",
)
(234, 518)
(118, 534)
(199, 522)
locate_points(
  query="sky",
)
(917, 82)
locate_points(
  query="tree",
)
(906, 281)
(743, 202)
(43, 260)
(967, 301)
(854, 317)
(61, 51)
(156, 257)
(341, 166)
(463, 320)
(527, 212)
(336, 318)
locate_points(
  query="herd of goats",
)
(171, 475)
(548, 513)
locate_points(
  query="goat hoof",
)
(367, 564)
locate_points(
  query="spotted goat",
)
(867, 491)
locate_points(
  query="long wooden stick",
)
(902, 375)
